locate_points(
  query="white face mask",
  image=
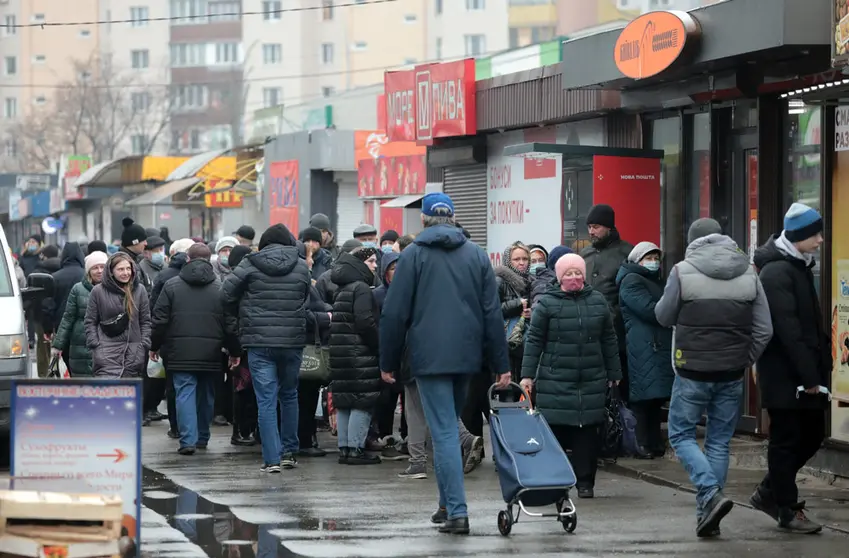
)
(651, 265)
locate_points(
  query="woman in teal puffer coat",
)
(571, 358)
(70, 336)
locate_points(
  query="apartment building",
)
(532, 21)
(34, 61)
(457, 28)
(577, 15)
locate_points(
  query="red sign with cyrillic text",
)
(445, 100)
(631, 185)
(400, 105)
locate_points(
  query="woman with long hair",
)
(117, 321)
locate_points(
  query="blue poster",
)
(75, 435)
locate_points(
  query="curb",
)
(634, 473)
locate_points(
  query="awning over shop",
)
(164, 192)
(216, 176)
(195, 164)
(403, 201)
(127, 171)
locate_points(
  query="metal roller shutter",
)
(349, 210)
(466, 186)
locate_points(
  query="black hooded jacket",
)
(269, 291)
(189, 326)
(354, 355)
(173, 270)
(71, 273)
(799, 353)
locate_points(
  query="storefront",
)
(707, 86)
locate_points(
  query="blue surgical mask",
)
(223, 260)
(369, 244)
(31, 249)
(386, 248)
(651, 265)
(157, 258)
(535, 267)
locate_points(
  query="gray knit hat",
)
(703, 227)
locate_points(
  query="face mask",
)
(651, 266)
(535, 267)
(157, 258)
(224, 260)
(370, 244)
(386, 249)
(31, 249)
(572, 284)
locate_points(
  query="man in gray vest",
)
(717, 305)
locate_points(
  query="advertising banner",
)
(40, 204)
(400, 110)
(283, 194)
(80, 436)
(542, 167)
(445, 100)
(14, 201)
(374, 144)
(221, 200)
(840, 298)
(24, 209)
(391, 218)
(840, 33)
(390, 177)
(631, 185)
(57, 201)
(74, 166)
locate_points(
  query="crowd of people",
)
(426, 319)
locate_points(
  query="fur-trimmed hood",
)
(516, 282)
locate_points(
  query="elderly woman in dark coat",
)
(571, 357)
(648, 345)
(117, 321)
(354, 370)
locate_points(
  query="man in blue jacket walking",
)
(444, 305)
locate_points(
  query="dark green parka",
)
(70, 336)
(572, 352)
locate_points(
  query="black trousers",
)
(795, 436)
(244, 412)
(153, 390)
(624, 393)
(585, 443)
(307, 400)
(224, 391)
(384, 412)
(476, 412)
(649, 415)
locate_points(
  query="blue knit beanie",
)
(556, 253)
(801, 222)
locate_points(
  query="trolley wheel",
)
(570, 523)
(505, 522)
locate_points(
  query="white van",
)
(14, 350)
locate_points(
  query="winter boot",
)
(358, 457)
(343, 455)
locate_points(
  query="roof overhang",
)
(403, 201)
(576, 155)
(162, 193)
(112, 174)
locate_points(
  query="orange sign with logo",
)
(655, 41)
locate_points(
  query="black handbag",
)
(114, 327)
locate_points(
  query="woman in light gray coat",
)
(117, 321)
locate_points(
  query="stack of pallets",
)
(58, 525)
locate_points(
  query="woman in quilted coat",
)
(649, 345)
(571, 358)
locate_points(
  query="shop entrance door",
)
(737, 210)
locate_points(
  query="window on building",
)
(139, 144)
(514, 37)
(10, 66)
(327, 53)
(439, 48)
(84, 75)
(194, 139)
(697, 202)
(10, 108)
(272, 96)
(272, 54)
(475, 44)
(224, 10)
(188, 12)
(410, 18)
(327, 10)
(666, 135)
(226, 53)
(438, 7)
(475, 4)
(9, 23)
(85, 33)
(40, 100)
(139, 59)
(10, 148)
(218, 137)
(328, 91)
(39, 59)
(37, 18)
(140, 101)
(271, 10)
(188, 54)
(359, 45)
(139, 16)
(188, 97)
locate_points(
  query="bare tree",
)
(98, 112)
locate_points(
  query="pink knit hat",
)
(567, 262)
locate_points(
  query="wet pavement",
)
(221, 502)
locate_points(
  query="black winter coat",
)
(28, 261)
(71, 273)
(173, 270)
(325, 287)
(189, 327)
(354, 355)
(799, 353)
(540, 283)
(70, 335)
(271, 290)
(512, 288)
(603, 262)
(572, 351)
(37, 308)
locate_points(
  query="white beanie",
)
(226, 242)
(180, 246)
(93, 259)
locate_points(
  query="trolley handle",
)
(495, 404)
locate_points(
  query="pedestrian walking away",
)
(714, 299)
(268, 291)
(795, 366)
(444, 307)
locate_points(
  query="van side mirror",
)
(39, 285)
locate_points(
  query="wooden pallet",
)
(58, 525)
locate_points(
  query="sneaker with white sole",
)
(270, 468)
(473, 455)
(414, 471)
(288, 461)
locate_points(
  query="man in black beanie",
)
(388, 239)
(268, 291)
(318, 259)
(604, 258)
(245, 235)
(133, 242)
(328, 239)
(96, 246)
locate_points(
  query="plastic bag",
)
(155, 369)
(57, 368)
